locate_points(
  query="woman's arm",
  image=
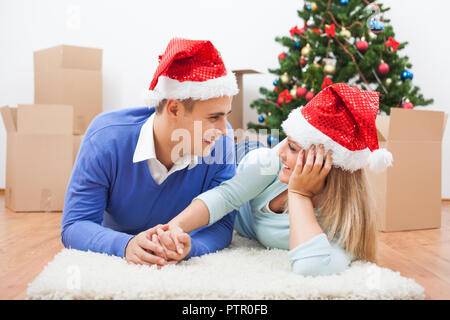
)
(305, 182)
(311, 253)
(195, 215)
(302, 220)
(256, 170)
(318, 257)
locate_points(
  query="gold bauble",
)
(345, 33)
(293, 92)
(305, 50)
(329, 69)
(315, 64)
(388, 82)
(313, 6)
(372, 36)
(285, 78)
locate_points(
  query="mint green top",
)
(255, 184)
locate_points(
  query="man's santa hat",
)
(342, 118)
(190, 69)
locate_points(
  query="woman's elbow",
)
(320, 266)
(310, 266)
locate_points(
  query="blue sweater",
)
(109, 199)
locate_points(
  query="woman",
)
(315, 203)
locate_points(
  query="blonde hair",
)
(346, 213)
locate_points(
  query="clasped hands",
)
(160, 245)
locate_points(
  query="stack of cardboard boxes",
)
(43, 139)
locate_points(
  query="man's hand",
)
(142, 250)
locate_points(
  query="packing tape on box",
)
(46, 200)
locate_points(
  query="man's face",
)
(204, 124)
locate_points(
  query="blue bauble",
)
(406, 74)
(297, 44)
(275, 82)
(376, 25)
(308, 7)
(344, 2)
(261, 119)
(271, 140)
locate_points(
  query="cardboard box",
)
(41, 150)
(408, 194)
(236, 117)
(70, 75)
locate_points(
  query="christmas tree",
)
(341, 41)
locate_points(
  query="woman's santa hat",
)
(342, 118)
(190, 69)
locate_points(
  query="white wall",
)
(133, 33)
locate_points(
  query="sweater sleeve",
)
(85, 201)
(255, 172)
(217, 236)
(318, 257)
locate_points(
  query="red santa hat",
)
(190, 69)
(342, 118)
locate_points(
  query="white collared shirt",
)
(145, 150)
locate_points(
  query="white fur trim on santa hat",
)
(305, 135)
(379, 160)
(168, 88)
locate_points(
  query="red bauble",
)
(281, 56)
(407, 105)
(362, 46)
(300, 92)
(280, 100)
(309, 96)
(302, 62)
(275, 89)
(383, 69)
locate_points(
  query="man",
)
(138, 168)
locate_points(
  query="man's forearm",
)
(87, 235)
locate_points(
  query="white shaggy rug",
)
(245, 270)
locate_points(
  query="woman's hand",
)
(309, 179)
(175, 242)
(169, 238)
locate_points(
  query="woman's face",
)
(288, 154)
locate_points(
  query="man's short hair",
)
(187, 103)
